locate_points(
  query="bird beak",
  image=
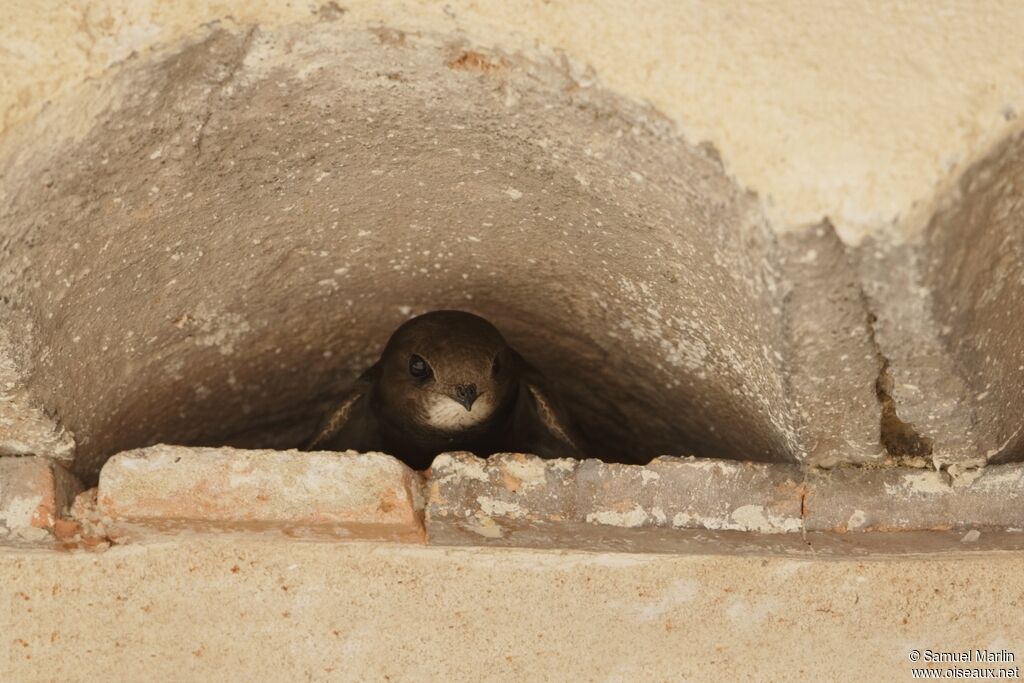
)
(465, 395)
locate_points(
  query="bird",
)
(448, 381)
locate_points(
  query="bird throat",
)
(444, 414)
(444, 426)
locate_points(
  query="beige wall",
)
(264, 610)
(858, 111)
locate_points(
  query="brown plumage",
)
(448, 381)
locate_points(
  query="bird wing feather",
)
(557, 438)
(549, 416)
(337, 419)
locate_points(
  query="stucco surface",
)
(236, 609)
(186, 243)
(856, 111)
(125, 122)
(977, 273)
(234, 234)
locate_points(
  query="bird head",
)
(452, 370)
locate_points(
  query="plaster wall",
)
(286, 611)
(867, 115)
(862, 112)
(248, 215)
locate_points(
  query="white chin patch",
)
(445, 413)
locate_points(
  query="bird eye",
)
(418, 367)
(496, 366)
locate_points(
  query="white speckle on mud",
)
(964, 477)
(744, 518)
(494, 507)
(405, 310)
(810, 256)
(685, 519)
(857, 520)
(634, 518)
(31, 534)
(647, 476)
(485, 526)
(708, 464)
(563, 464)
(1000, 479)
(757, 518)
(456, 467)
(513, 193)
(531, 473)
(20, 510)
(222, 331)
(922, 483)
(676, 338)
